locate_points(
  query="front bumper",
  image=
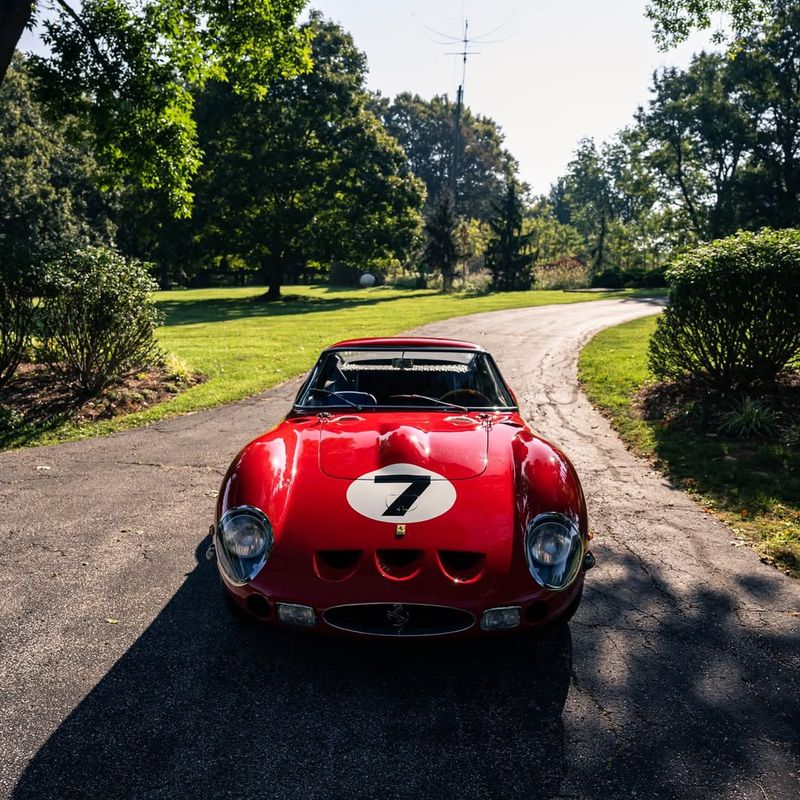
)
(399, 612)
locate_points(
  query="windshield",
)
(445, 379)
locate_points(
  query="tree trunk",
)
(447, 278)
(272, 273)
(14, 16)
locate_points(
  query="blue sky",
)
(564, 68)
(558, 70)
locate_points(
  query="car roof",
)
(405, 343)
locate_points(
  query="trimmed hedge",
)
(733, 319)
(634, 278)
(98, 317)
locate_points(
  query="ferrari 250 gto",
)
(403, 496)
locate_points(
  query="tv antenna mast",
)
(464, 42)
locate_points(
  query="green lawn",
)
(751, 485)
(244, 346)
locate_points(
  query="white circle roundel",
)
(401, 493)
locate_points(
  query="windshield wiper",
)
(429, 399)
(338, 396)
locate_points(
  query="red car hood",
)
(454, 446)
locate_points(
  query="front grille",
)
(399, 619)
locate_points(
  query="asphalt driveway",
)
(122, 675)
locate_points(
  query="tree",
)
(589, 196)
(698, 137)
(508, 253)
(48, 203)
(441, 250)
(765, 70)
(425, 130)
(48, 199)
(126, 69)
(674, 20)
(306, 174)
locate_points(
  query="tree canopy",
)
(674, 20)
(48, 176)
(127, 70)
(307, 173)
(425, 129)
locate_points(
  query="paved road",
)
(678, 678)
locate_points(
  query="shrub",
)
(608, 279)
(633, 278)
(749, 417)
(564, 273)
(17, 304)
(733, 319)
(790, 437)
(98, 318)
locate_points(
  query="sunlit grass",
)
(244, 346)
(752, 485)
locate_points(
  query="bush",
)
(749, 417)
(608, 279)
(98, 318)
(564, 273)
(733, 319)
(17, 303)
(633, 278)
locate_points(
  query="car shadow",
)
(204, 706)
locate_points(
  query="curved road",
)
(678, 678)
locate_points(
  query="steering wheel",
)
(468, 396)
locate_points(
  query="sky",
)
(555, 70)
(563, 69)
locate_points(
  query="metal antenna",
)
(465, 42)
(464, 52)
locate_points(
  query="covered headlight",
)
(554, 550)
(244, 542)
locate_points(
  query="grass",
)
(244, 346)
(751, 485)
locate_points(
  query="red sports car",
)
(403, 496)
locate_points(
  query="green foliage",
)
(674, 20)
(47, 175)
(749, 417)
(17, 304)
(508, 255)
(425, 129)
(695, 135)
(47, 203)
(307, 174)
(98, 317)
(441, 249)
(715, 149)
(734, 314)
(127, 69)
(753, 485)
(790, 436)
(563, 273)
(635, 278)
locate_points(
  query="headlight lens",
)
(554, 550)
(245, 541)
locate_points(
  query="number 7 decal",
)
(401, 493)
(417, 484)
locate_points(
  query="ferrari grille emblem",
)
(399, 531)
(398, 615)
